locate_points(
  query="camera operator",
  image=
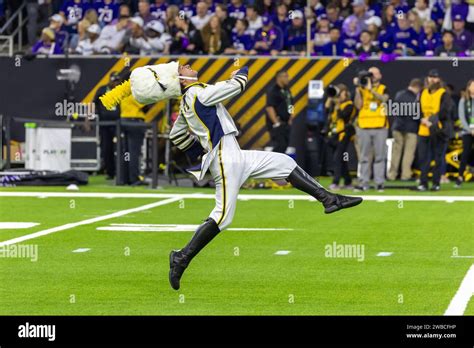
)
(342, 113)
(372, 126)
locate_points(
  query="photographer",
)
(342, 113)
(372, 126)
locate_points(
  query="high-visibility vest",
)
(372, 114)
(430, 105)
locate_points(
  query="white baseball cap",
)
(156, 26)
(94, 29)
(374, 20)
(57, 18)
(297, 14)
(137, 20)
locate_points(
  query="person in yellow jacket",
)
(372, 128)
(132, 112)
(435, 128)
(342, 114)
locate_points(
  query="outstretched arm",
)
(215, 94)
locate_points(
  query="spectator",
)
(254, 19)
(268, 39)
(373, 25)
(429, 38)
(152, 39)
(237, 10)
(81, 35)
(281, 19)
(367, 46)
(405, 38)
(423, 10)
(112, 36)
(438, 9)
(345, 8)
(144, 11)
(211, 7)
(335, 19)
(265, 8)
(73, 11)
(186, 39)
(241, 41)
(350, 35)
(321, 36)
(86, 45)
(171, 12)
(137, 40)
(400, 6)
(56, 23)
(372, 129)
(214, 38)
(359, 15)
(404, 130)
(202, 17)
(188, 8)
(227, 23)
(466, 116)
(463, 38)
(317, 7)
(335, 47)
(46, 44)
(158, 10)
(295, 35)
(447, 48)
(389, 19)
(415, 21)
(107, 11)
(124, 11)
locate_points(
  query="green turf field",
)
(126, 272)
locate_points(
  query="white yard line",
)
(241, 196)
(460, 301)
(87, 222)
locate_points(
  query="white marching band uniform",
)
(203, 121)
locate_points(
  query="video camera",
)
(332, 91)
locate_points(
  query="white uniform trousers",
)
(232, 166)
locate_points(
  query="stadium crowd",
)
(257, 27)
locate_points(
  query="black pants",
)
(467, 141)
(280, 137)
(132, 145)
(431, 148)
(107, 134)
(341, 161)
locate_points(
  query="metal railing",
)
(12, 31)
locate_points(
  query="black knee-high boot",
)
(180, 259)
(332, 202)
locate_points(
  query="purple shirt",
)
(189, 10)
(74, 12)
(274, 37)
(237, 12)
(463, 40)
(158, 11)
(41, 48)
(106, 12)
